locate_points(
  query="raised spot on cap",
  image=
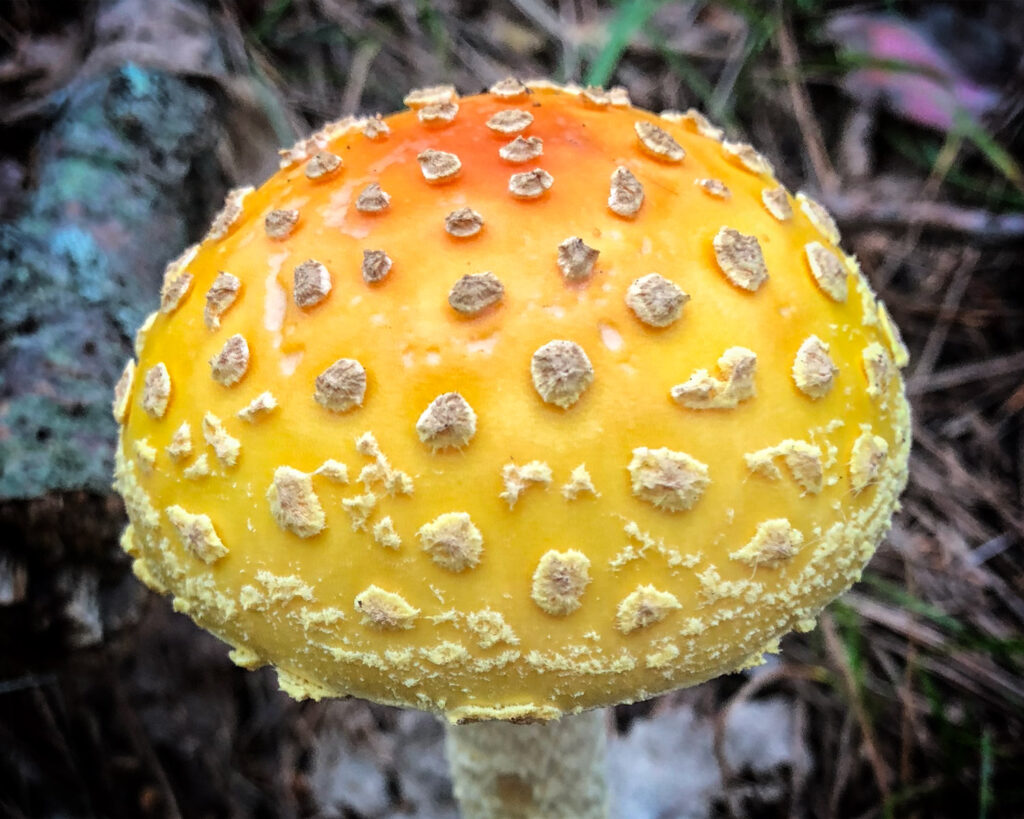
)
(740, 258)
(449, 421)
(658, 142)
(560, 580)
(655, 300)
(475, 292)
(626, 194)
(669, 480)
(561, 372)
(452, 541)
(341, 386)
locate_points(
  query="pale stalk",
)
(554, 770)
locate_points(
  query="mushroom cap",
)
(508, 416)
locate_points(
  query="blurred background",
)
(122, 124)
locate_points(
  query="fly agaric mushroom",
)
(507, 408)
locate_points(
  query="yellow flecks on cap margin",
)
(156, 390)
(509, 89)
(197, 534)
(245, 657)
(279, 224)
(748, 157)
(127, 541)
(294, 504)
(517, 478)
(327, 619)
(145, 454)
(576, 259)
(177, 281)
(180, 446)
(463, 223)
(713, 187)
(449, 421)
(813, 369)
(229, 366)
(273, 590)
(578, 483)
(385, 534)
(828, 271)
(776, 202)
(819, 217)
(510, 121)
(530, 184)
(200, 468)
(311, 283)
(740, 258)
(626, 194)
(657, 142)
(333, 470)
(891, 333)
(522, 149)
(299, 688)
(644, 607)
(123, 392)
(219, 298)
(376, 266)
(224, 446)
(878, 369)
(713, 588)
(322, 165)
(655, 300)
(260, 406)
(438, 166)
(372, 199)
(228, 216)
(703, 391)
(140, 509)
(445, 653)
(867, 460)
(385, 610)
(438, 113)
(514, 714)
(560, 580)
(341, 386)
(803, 460)
(774, 543)
(561, 372)
(489, 628)
(669, 480)
(665, 655)
(452, 541)
(475, 292)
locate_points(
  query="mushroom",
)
(483, 485)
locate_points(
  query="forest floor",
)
(908, 700)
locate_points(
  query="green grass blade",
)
(630, 17)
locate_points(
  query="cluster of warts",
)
(560, 370)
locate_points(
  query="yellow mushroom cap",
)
(544, 404)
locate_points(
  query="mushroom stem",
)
(554, 769)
